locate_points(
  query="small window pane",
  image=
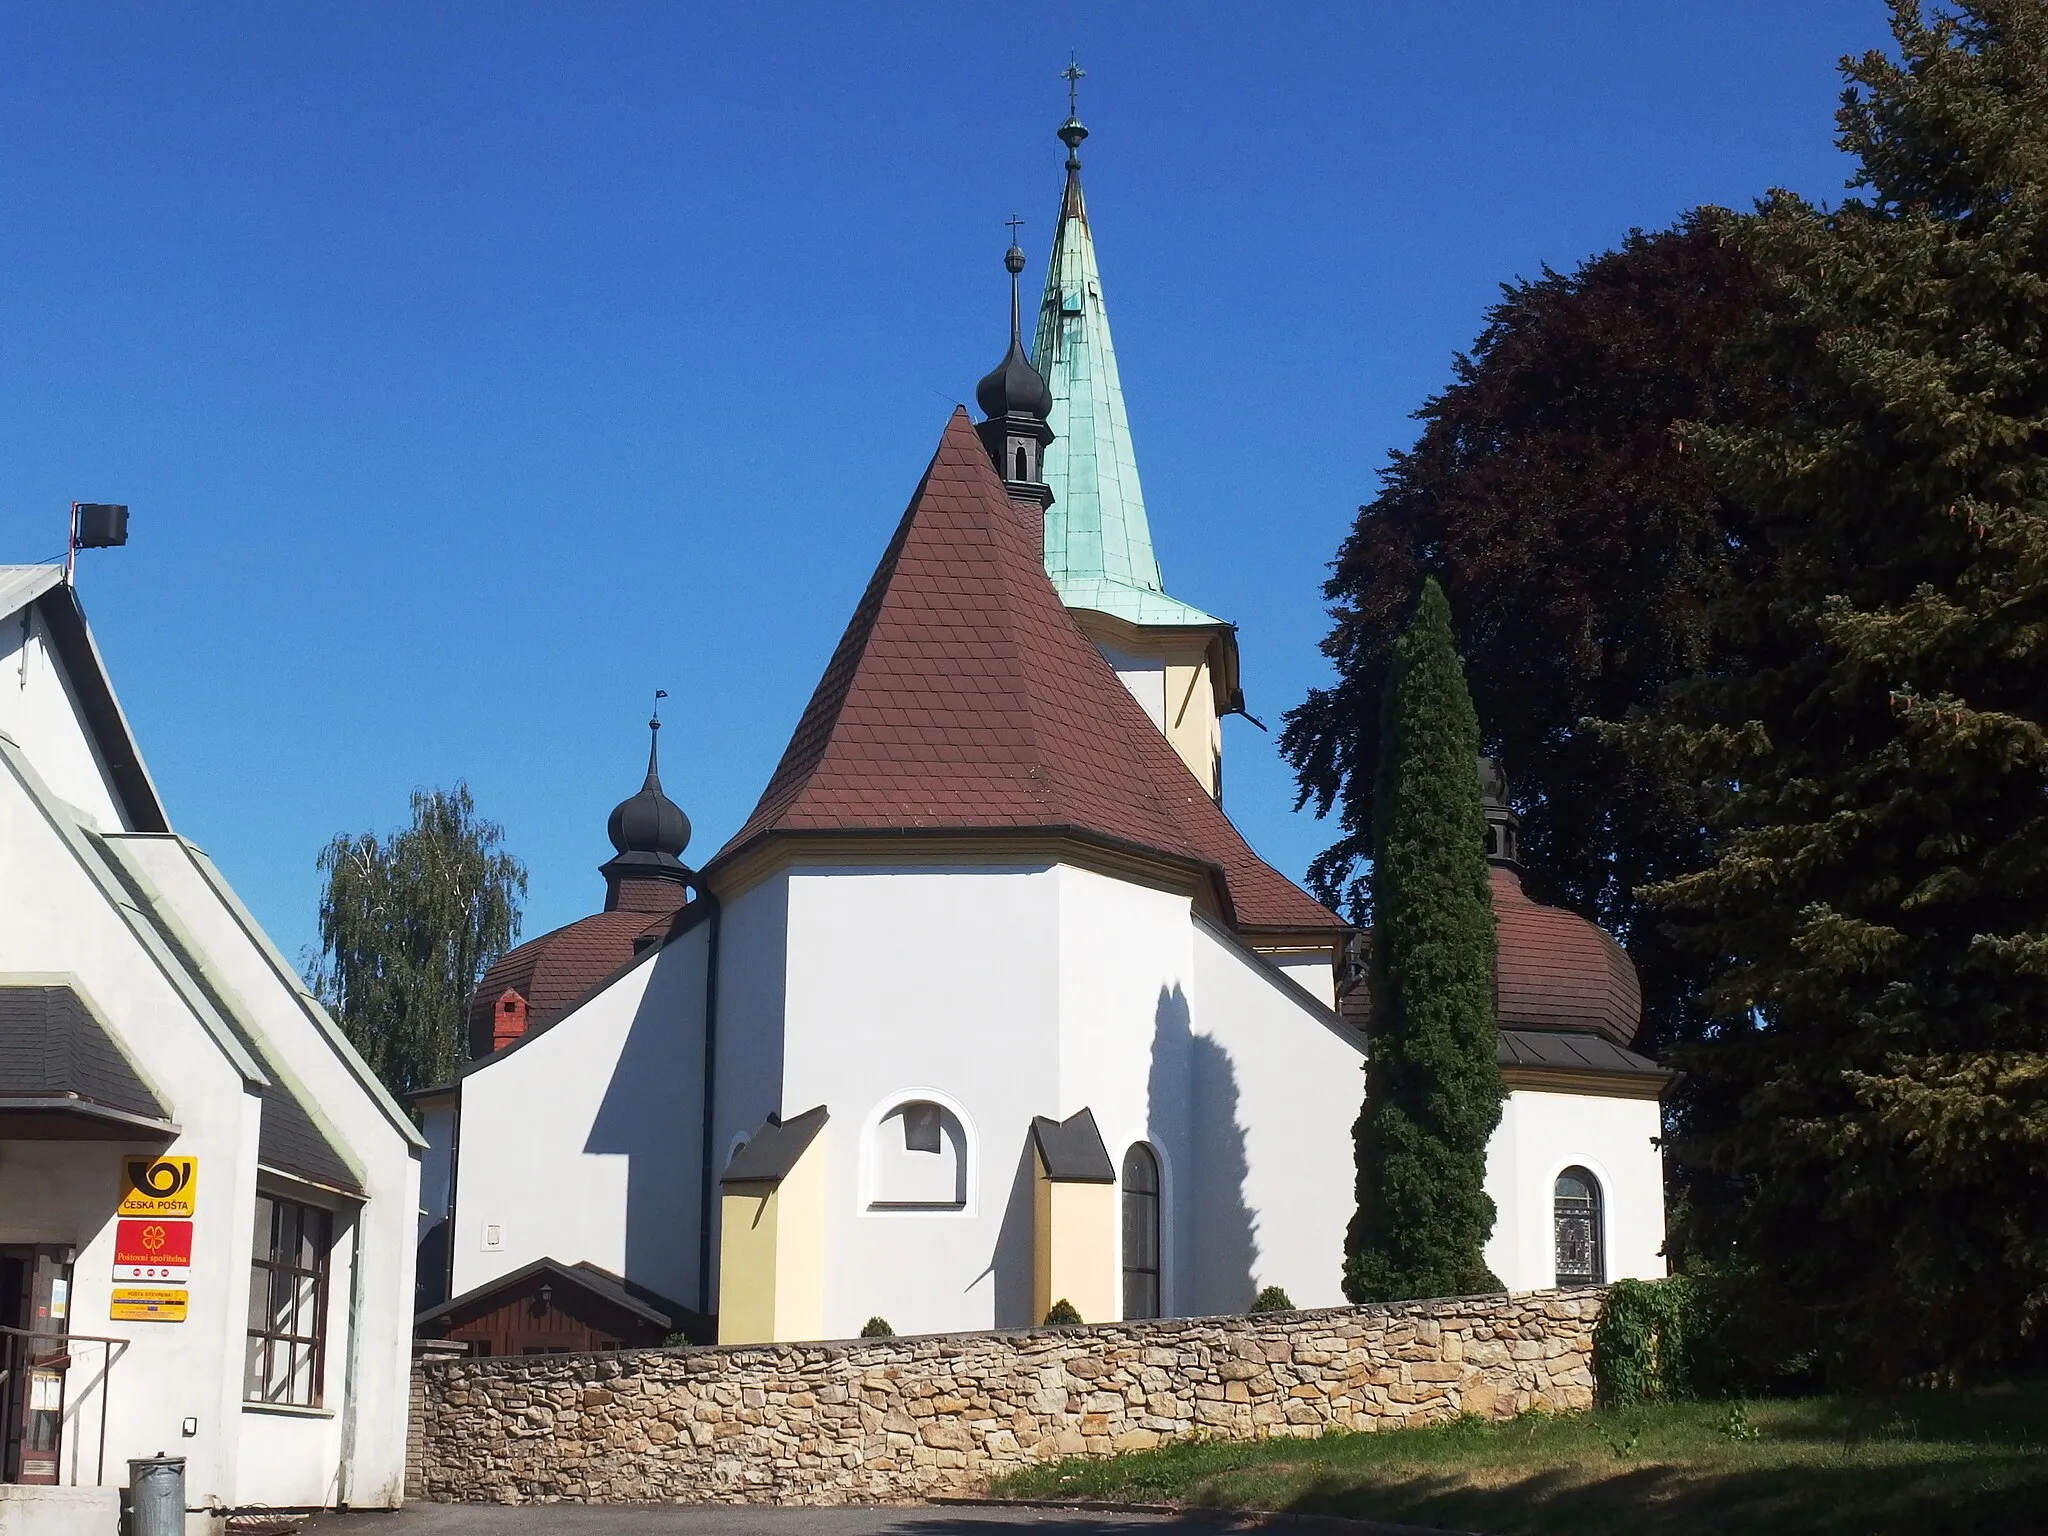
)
(261, 1246)
(921, 1128)
(252, 1372)
(302, 1373)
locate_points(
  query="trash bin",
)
(153, 1503)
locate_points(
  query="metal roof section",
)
(21, 585)
(1556, 1061)
(773, 1150)
(95, 860)
(1071, 1150)
(1098, 543)
(71, 638)
(293, 1136)
(63, 1071)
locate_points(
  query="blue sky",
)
(474, 370)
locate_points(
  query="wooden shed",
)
(549, 1308)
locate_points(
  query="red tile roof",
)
(963, 698)
(1553, 971)
(1558, 971)
(558, 970)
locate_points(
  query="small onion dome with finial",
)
(649, 822)
(1014, 388)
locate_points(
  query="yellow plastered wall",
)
(1192, 729)
(771, 1257)
(746, 1263)
(1073, 1246)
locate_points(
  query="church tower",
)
(1178, 661)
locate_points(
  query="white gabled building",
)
(150, 1031)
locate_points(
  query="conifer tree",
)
(1878, 907)
(1433, 1084)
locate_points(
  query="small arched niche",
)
(917, 1159)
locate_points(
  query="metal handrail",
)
(63, 1362)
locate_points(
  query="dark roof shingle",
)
(963, 698)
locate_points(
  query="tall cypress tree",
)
(1878, 910)
(1433, 1084)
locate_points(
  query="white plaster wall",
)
(1145, 677)
(1288, 1080)
(54, 919)
(902, 982)
(1125, 1006)
(248, 971)
(581, 1144)
(1312, 973)
(1541, 1135)
(40, 712)
(752, 981)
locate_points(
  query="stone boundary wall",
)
(891, 1419)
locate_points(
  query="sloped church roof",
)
(963, 699)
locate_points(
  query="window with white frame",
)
(917, 1159)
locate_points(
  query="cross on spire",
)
(1073, 74)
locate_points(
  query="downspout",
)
(705, 1195)
(343, 1476)
(454, 1192)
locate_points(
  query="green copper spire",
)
(1098, 545)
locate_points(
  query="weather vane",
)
(659, 695)
(1072, 74)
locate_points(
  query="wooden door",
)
(35, 1296)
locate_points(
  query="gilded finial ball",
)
(1013, 260)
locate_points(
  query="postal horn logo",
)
(162, 1179)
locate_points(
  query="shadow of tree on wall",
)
(1192, 1090)
(1009, 1267)
(652, 1115)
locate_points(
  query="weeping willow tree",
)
(408, 926)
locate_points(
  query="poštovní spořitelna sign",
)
(158, 1252)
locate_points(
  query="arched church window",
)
(1580, 1260)
(1141, 1232)
(918, 1159)
(1023, 466)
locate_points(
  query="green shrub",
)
(1271, 1299)
(877, 1328)
(1648, 1340)
(1062, 1314)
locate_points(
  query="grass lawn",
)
(1918, 1462)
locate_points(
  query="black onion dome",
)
(1014, 388)
(649, 822)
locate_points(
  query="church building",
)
(988, 1005)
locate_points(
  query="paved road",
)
(730, 1520)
